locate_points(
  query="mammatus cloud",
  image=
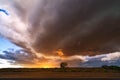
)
(78, 27)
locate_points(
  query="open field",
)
(59, 73)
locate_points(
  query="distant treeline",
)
(111, 67)
(104, 68)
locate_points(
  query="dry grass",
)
(59, 73)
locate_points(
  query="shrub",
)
(63, 64)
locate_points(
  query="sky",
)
(44, 33)
(6, 44)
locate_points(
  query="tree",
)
(63, 64)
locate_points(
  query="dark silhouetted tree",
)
(63, 64)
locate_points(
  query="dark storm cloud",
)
(19, 56)
(76, 26)
(85, 27)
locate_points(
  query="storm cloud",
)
(100, 60)
(23, 58)
(77, 27)
(19, 56)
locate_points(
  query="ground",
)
(60, 73)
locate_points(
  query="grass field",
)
(59, 73)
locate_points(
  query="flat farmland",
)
(60, 73)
